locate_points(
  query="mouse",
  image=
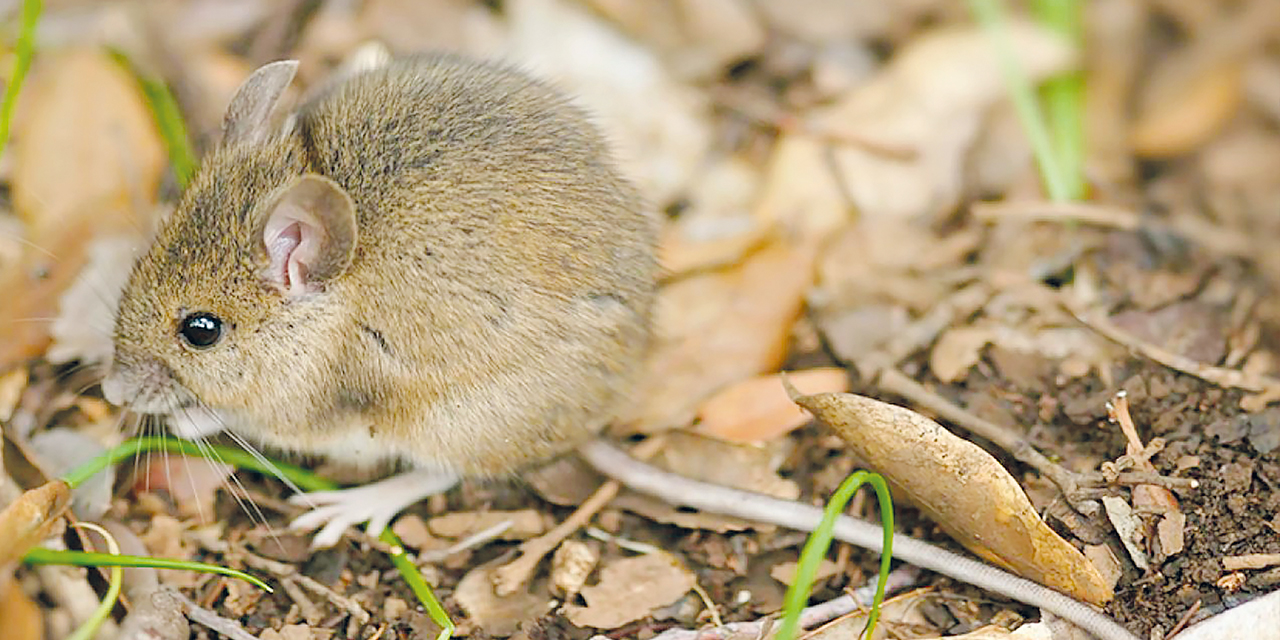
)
(434, 261)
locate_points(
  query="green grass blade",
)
(1064, 95)
(89, 628)
(990, 14)
(23, 52)
(168, 118)
(815, 548)
(40, 555)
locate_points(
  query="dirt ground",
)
(849, 197)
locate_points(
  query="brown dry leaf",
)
(758, 409)
(525, 523)
(719, 328)
(1197, 111)
(799, 189)
(785, 572)
(19, 616)
(903, 611)
(630, 589)
(87, 163)
(30, 519)
(960, 487)
(658, 125)
(905, 135)
(957, 350)
(498, 616)
(697, 38)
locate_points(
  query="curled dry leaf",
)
(960, 487)
(630, 589)
(20, 616)
(758, 409)
(30, 519)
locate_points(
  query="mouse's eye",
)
(201, 330)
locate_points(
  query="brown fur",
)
(497, 305)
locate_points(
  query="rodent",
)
(434, 260)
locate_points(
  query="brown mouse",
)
(435, 260)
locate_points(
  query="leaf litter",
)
(849, 197)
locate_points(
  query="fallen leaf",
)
(20, 616)
(498, 616)
(525, 523)
(1129, 527)
(721, 327)
(758, 409)
(785, 572)
(630, 589)
(657, 125)
(31, 518)
(960, 487)
(571, 565)
(904, 136)
(87, 163)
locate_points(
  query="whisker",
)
(266, 462)
(191, 479)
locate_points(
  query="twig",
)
(470, 542)
(212, 621)
(509, 577)
(287, 571)
(1229, 378)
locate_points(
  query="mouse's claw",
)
(376, 503)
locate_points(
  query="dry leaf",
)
(525, 523)
(19, 616)
(785, 572)
(630, 589)
(29, 519)
(960, 487)
(697, 38)
(87, 163)
(498, 616)
(905, 135)
(719, 328)
(1190, 115)
(658, 126)
(758, 409)
(571, 565)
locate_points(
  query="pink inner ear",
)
(292, 240)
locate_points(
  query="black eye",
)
(201, 330)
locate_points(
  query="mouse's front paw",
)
(376, 503)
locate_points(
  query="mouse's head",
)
(232, 293)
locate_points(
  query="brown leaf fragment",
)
(630, 589)
(960, 487)
(1250, 561)
(498, 616)
(20, 616)
(716, 329)
(30, 519)
(758, 409)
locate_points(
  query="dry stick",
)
(1229, 378)
(509, 577)
(212, 621)
(289, 572)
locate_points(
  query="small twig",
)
(287, 571)
(310, 612)
(212, 621)
(710, 604)
(1184, 620)
(470, 542)
(624, 543)
(1229, 378)
(509, 577)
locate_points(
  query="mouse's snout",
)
(142, 383)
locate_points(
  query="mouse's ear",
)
(306, 234)
(248, 116)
